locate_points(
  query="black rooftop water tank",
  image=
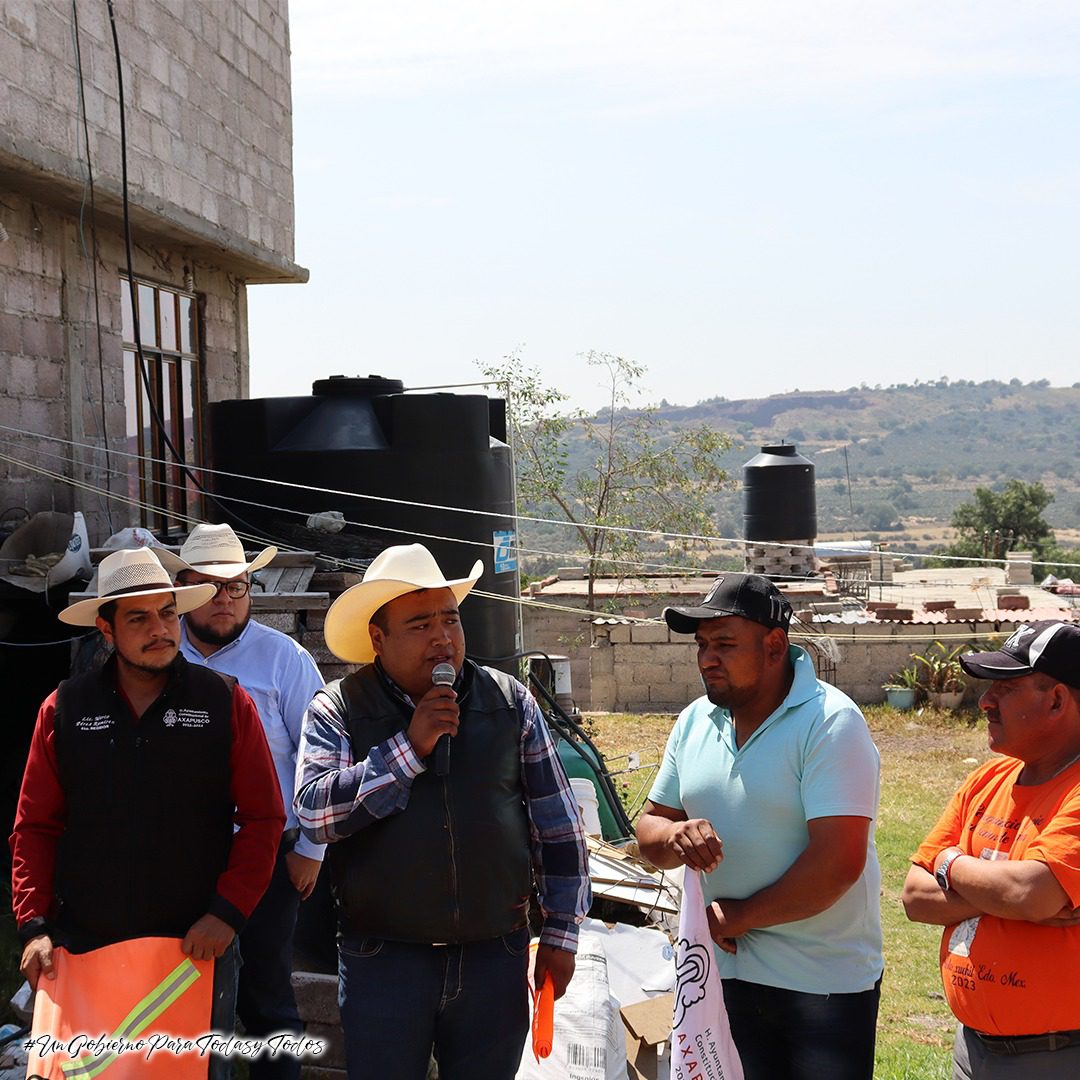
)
(779, 501)
(368, 437)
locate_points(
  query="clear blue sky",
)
(747, 198)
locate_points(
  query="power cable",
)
(681, 569)
(849, 636)
(143, 366)
(91, 257)
(674, 569)
(502, 515)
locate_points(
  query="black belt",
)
(1027, 1044)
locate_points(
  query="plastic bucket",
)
(588, 804)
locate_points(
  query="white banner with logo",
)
(701, 1043)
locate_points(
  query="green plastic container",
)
(579, 761)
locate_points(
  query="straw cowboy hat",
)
(393, 573)
(134, 573)
(216, 551)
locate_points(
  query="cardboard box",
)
(648, 1023)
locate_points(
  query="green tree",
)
(629, 468)
(998, 521)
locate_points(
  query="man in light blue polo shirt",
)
(282, 678)
(769, 786)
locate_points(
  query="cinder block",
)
(331, 1062)
(316, 997)
(650, 675)
(603, 693)
(619, 634)
(601, 660)
(649, 632)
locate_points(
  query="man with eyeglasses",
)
(281, 676)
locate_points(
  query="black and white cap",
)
(752, 596)
(1050, 647)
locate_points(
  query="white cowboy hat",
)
(134, 573)
(216, 551)
(394, 572)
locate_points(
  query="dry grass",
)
(924, 756)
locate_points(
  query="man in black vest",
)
(443, 806)
(136, 777)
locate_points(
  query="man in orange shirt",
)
(1000, 871)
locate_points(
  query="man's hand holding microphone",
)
(435, 720)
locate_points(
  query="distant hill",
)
(913, 452)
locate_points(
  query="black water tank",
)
(779, 501)
(365, 436)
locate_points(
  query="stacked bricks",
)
(775, 560)
(1018, 568)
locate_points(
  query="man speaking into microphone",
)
(438, 788)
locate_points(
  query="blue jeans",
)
(467, 1003)
(788, 1035)
(265, 1001)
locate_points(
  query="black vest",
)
(455, 864)
(148, 821)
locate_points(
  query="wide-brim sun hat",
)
(216, 551)
(394, 572)
(130, 573)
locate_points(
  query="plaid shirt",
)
(336, 797)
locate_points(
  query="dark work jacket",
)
(454, 865)
(149, 815)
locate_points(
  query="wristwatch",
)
(941, 874)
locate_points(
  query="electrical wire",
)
(739, 542)
(144, 370)
(849, 635)
(370, 526)
(674, 569)
(91, 257)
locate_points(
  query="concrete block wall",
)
(563, 633)
(49, 354)
(642, 667)
(645, 668)
(869, 654)
(208, 106)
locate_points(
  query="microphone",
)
(442, 675)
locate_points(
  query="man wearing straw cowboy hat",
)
(282, 678)
(442, 805)
(136, 777)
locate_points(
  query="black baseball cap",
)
(1050, 647)
(752, 596)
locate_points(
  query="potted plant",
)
(941, 675)
(901, 688)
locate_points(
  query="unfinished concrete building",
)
(207, 129)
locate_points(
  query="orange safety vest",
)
(129, 1011)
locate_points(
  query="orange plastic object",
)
(543, 1024)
